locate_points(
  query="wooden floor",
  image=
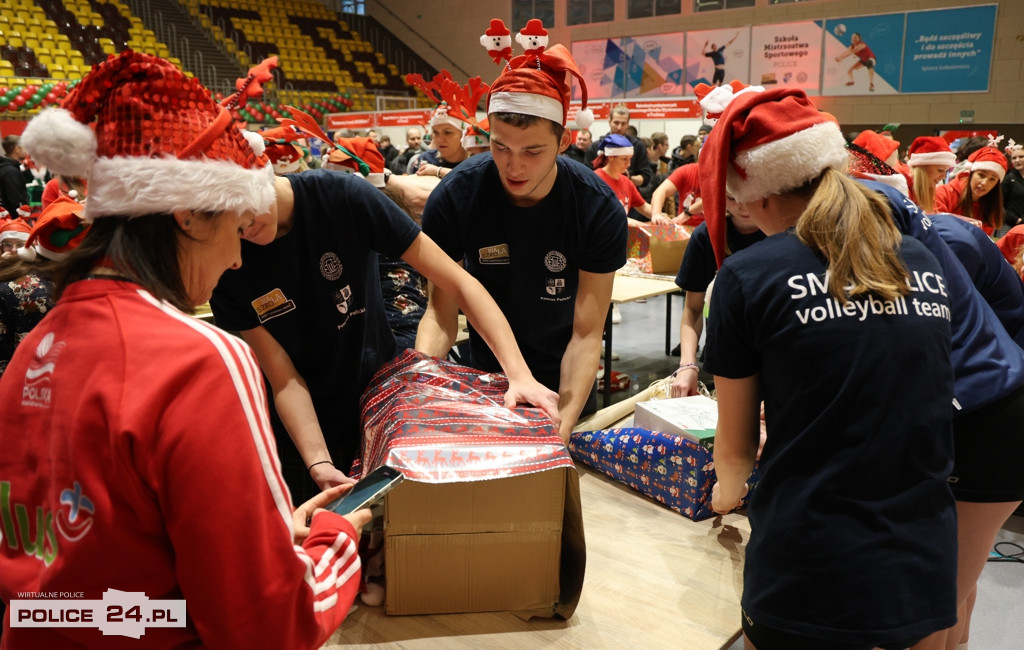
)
(654, 578)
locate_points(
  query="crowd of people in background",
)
(521, 223)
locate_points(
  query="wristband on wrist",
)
(687, 212)
(684, 366)
(319, 462)
(439, 171)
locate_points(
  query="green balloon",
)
(4, 102)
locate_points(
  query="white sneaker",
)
(616, 315)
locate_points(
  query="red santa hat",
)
(880, 146)
(443, 114)
(4, 214)
(359, 156)
(57, 232)
(536, 85)
(988, 159)
(765, 143)
(930, 150)
(477, 135)
(281, 149)
(16, 229)
(25, 211)
(159, 143)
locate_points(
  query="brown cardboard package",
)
(666, 256)
(506, 544)
(658, 249)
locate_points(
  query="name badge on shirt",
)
(494, 254)
(272, 305)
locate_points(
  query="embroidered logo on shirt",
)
(343, 305)
(555, 262)
(555, 286)
(76, 522)
(36, 391)
(494, 254)
(330, 266)
(271, 305)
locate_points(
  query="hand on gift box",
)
(660, 219)
(303, 515)
(326, 476)
(530, 391)
(723, 505)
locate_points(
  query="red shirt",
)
(623, 188)
(687, 182)
(948, 195)
(138, 439)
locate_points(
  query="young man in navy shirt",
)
(542, 233)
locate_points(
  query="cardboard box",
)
(659, 248)
(478, 546)
(489, 517)
(694, 417)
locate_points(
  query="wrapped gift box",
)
(659, 248)
(674, 467)
(489, 517)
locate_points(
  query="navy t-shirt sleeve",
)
(698, 267)
(730, 335)
(604, 238)
(439, 222)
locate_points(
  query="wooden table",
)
(654, 579)
(629, 288)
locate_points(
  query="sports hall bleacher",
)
(324, 64)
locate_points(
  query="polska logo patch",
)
(36, 391)
(330, 266)
(554, 262)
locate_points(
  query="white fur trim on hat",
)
(944, 158)
(527, 104)
(989, 166)
(256, 141)
(134, 187)
(617, 151)
(897, 181)
(59, 142)
(787, 163)
(584, 118)
(14, 234)
(473, 140)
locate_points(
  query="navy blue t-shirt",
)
(993, 276)
(699, 267)
(853, 527)
(528, 259)
(988, 364)
(317, 291)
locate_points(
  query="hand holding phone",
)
(368, 491)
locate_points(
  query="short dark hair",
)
(659, 138)
(11, 143)
(686, 141)
(142, 248)
(521, 121)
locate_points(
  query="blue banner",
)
(948, 50)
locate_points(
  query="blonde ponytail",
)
(852, 227)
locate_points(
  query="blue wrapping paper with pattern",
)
(673, 470)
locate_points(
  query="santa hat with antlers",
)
(455, 103)
(159, 142)
(58, 231)
(535, 84)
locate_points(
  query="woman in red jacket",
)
(976, 194)
(137, 436)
